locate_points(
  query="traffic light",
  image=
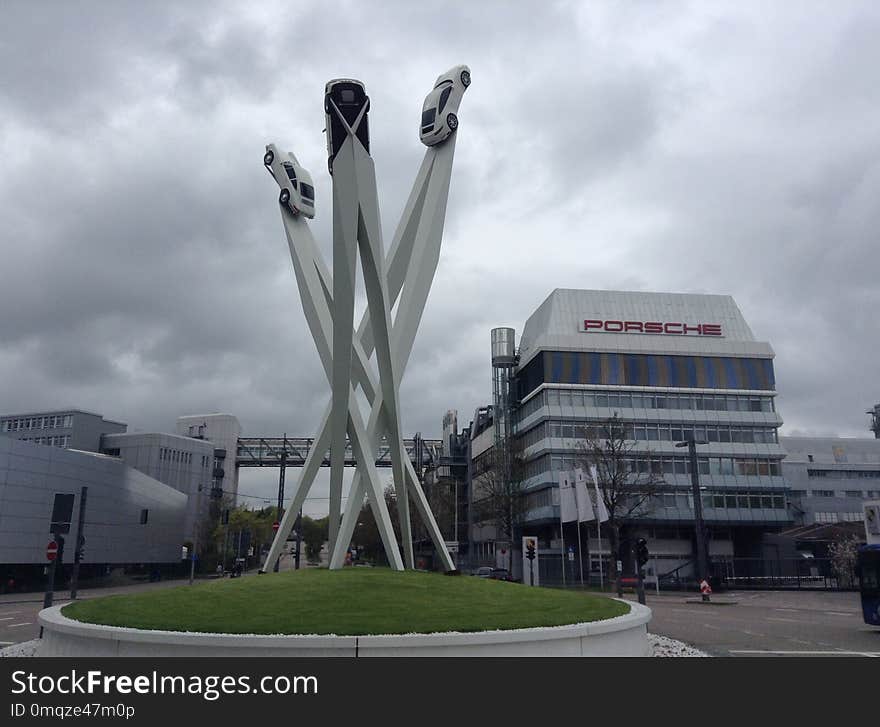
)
(642, 551)
(530, 549)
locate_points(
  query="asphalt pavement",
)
(767, 623)
(18, 612)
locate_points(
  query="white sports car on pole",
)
(297, 189)
(439, 112)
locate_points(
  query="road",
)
(18, 613)
(766, 623)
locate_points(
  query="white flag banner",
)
(568, 509)
(584, 503)
(601, 510)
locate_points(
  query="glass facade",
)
(631, 369)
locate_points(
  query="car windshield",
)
(307, 191)
(291, 174)
(428, 117)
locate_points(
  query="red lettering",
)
(675, 329)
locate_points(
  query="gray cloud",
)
(145, 272)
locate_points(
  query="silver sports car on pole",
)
(297, 189)
(439, 112)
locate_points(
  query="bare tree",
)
(844, 553)
(497, 483)
(628, 482)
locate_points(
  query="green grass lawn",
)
(353, 601)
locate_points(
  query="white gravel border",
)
(25, 648)
(661, 645)
(664, 646)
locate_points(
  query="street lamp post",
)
(702, 562)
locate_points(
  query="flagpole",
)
(580, 553)
(562, 535)
(600, 511)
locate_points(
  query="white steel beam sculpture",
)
(405, 277)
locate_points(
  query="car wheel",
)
(268, 158)
(452, 121)
(284, 197)
(465, 78)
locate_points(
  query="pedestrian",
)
(705, 590)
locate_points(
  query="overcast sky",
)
(689, 147)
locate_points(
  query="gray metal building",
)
(67, 428)
(184, 463)
(830, 477)
(131, 518)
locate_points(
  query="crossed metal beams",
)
(406, 273)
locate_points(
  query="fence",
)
(785, 573)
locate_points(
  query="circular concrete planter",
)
(621, 636)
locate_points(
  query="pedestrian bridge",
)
(292, 452)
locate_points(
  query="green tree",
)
(314, 535)
(366, 533)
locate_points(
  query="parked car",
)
(346, 105)
(297, 190)
(484, 572)
(501, 574)
(440, 110)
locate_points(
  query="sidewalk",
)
(63, 595)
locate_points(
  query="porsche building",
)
(671, 366)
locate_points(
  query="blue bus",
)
(869, 578)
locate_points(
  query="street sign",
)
(51, 550)
(452, 546)
(62, 512)
(275, 526)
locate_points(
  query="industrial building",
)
(183, 463)
(66, 428)
(671, 367)
(130, 518)
(180, 474)
(830, 477)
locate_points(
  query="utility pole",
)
(80, 542)
(281, 492)
(50, 573)
(195, 545)
(702, 561)
(299, 539)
